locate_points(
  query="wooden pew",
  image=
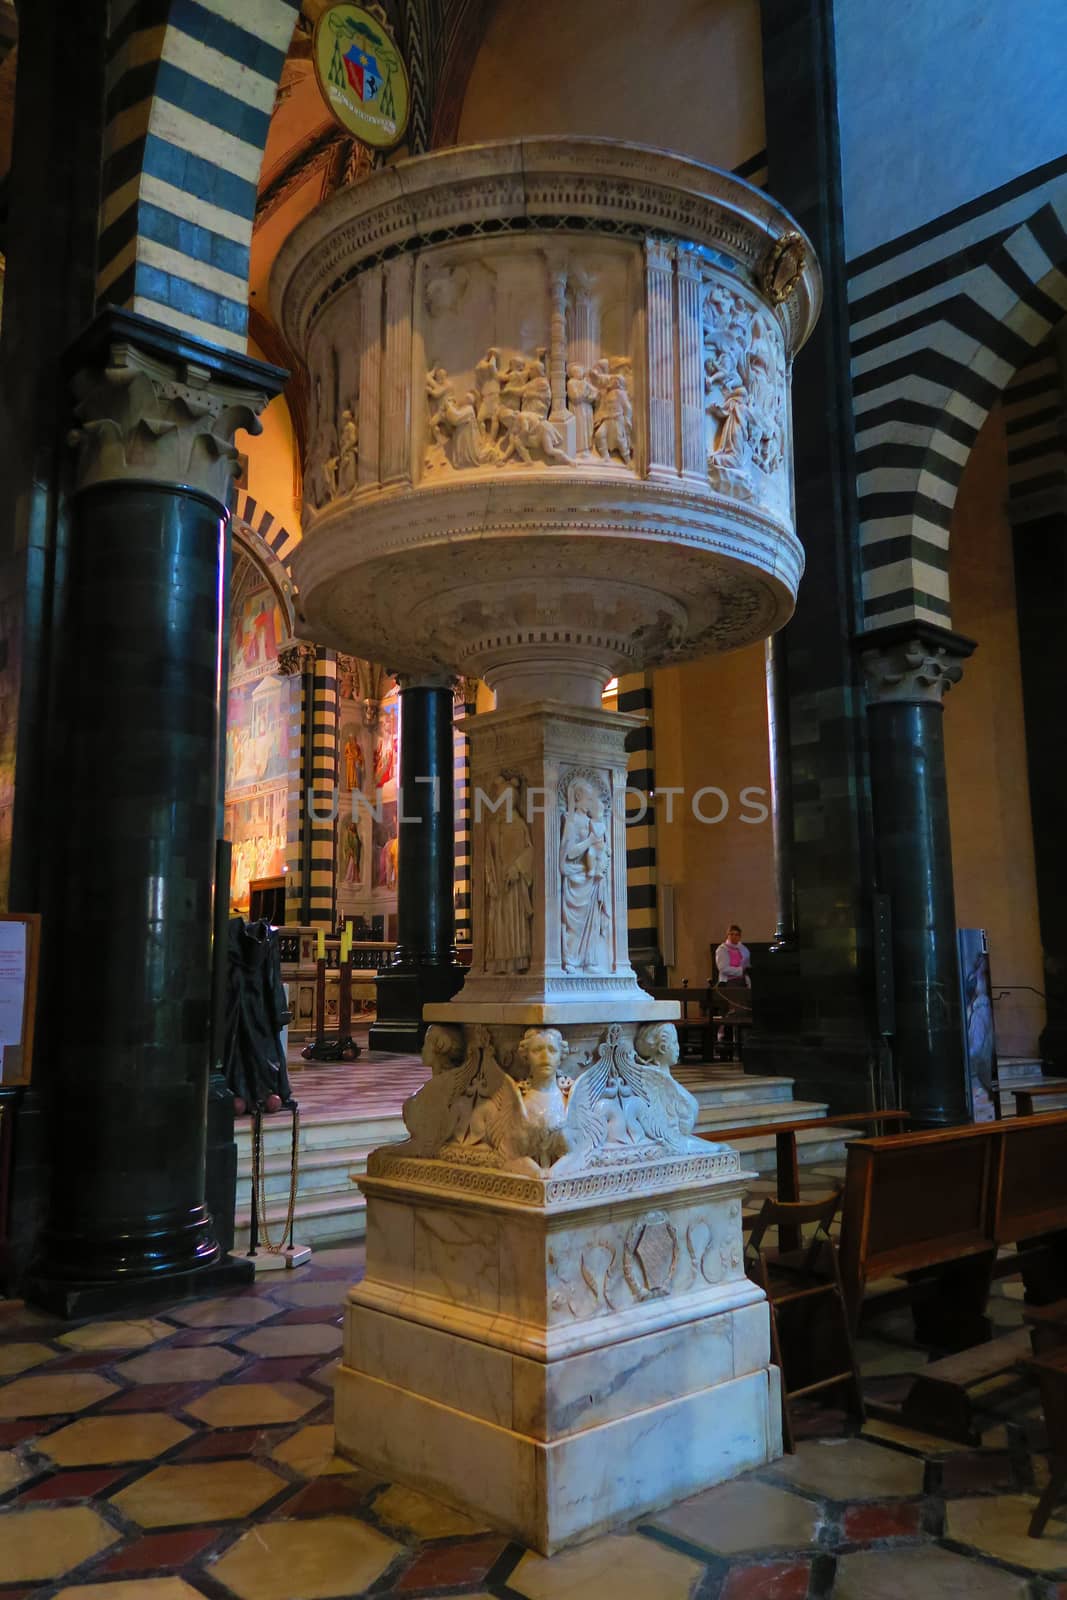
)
(1024, 1098)
(948, 1199)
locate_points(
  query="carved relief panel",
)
(525, 356)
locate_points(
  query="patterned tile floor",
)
(189, 1454)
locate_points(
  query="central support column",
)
(555, 1327)
(424, 968)
(909, 667)
(156, 416)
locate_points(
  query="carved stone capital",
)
(163, 408)
(660, 252)
(689, 261)
(912, 664)
(296, 658)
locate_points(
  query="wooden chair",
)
(809, 1319)
(1050, 1370)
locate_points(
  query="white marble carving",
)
(585, 873)
(619, 1109)
(509, 868)
(744, 393)
(613, 415)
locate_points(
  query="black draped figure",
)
(256, 1011)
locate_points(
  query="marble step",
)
(751, 1113)
(734, 1088)
(319, 1172)
(317, 1220)
(322, 1131)
(1018, 1069)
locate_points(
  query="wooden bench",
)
(787, 1162)
(936, 1207)
(1025, 1097)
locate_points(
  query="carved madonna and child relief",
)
(585, 873)
(619, 1106)
(744, 396)
(525, 404)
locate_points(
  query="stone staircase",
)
(334, 1147)
(1017, 1072)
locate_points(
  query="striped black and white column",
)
(635, 698)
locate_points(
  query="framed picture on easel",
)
(20, 950)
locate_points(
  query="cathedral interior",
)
(533, 1024)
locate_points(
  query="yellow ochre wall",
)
(985, 745)
(683, 75)
(711, 728)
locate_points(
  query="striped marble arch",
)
(190, 90)
(940, 322)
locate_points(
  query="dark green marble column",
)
(424, 969)
(135, 834)
(1041, 596)
(909, 668)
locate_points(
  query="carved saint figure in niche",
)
(614, 414)
(585, 871)
(581, 396)
(508, 882)
(438, 388)
(348, 452)
(487, 375)
(524, 430)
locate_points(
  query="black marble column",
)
(909, 667)
(1040, 547)
(424, 969)
(814, 1019)
(134, 839)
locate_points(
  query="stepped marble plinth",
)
(550, 441)
(556, 1355)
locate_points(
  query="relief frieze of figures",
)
(330, 471)
(511, 414)
(744, 394)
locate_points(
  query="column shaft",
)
(424, 968)
(662, 448)
(138, 846)
(691, 363)
(909, 668)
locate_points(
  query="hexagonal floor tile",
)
(117, 1335)
(239, 1405)
(852, 1469)
(12, 1471)
(922, 1575)
(310, 1339)
(312, 1560)
(48, 1541)
(322, 1293)
(230, 1311)
(741, 1516)
(998, 1527)
(191, 1365)
(618, 1567)
(20, 1357)
(133, 1589)
(47, 1396)
(310, 1452)
(204, 1491)
(422, 1516)
(96, 1441)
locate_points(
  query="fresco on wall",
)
(384, 845)
(257, 737)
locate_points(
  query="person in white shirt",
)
(732, 961)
